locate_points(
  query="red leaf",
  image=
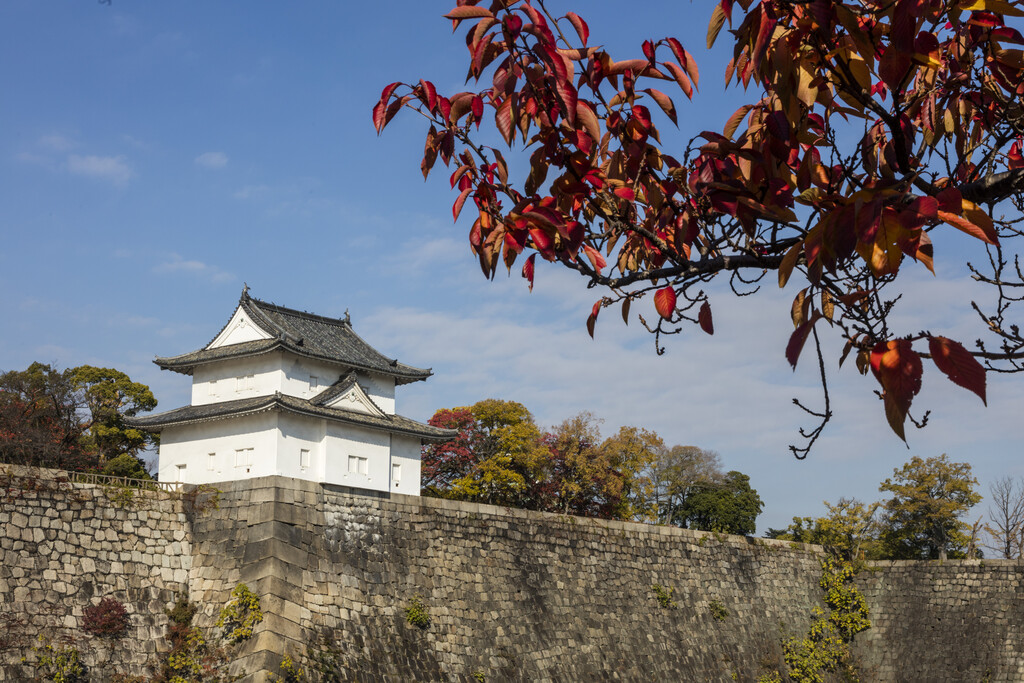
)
(429, 95)
(581, 26)
(625, 193)
(704, 318)
(798, 338)
(593, 318)
(503, 119)
(664, 101)
(665, 302)
(681, 79)
(958, 365)
(457, 207)
(528, 269)
(897, 367)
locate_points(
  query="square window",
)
(357, 465)
(243, 457)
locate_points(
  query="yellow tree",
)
(922, 519)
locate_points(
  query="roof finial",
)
(348, 319)
(245, 289)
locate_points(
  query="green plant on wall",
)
(664, 596)
(825, 648)
(240, 616)
(416, 613)
(718, 610)
(290, 671)
(58, 665)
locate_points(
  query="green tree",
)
(110, 396)
(849, 530)
(730, 507)
(125, 465)
(922, 519)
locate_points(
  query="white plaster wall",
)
(296, 432)
(190, 445)
(296, 382)
(341, 441)
(268, 377)
(405, 452)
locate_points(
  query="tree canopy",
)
(872, 131)
(502, 457)
(72, 419)
(922, 519)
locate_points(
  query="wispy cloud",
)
(109, 169)
(57, 142)
(212, 160)
(252, 192)
(177, 264)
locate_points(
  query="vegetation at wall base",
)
(240, 616)
(108, 618)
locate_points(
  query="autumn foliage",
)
(872, 131)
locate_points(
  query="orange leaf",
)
(468, 12)
(664, 101)
(595, 257)
(581, 26)
(789, 263)
(681, 78)
(665, 302)
(704, 318)
(625, 310)
(961, 223)
(457, 207)
(958, 365)
(715, 25)
(734, 121)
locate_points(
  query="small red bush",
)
(108, 619)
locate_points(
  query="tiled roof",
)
(305, 334)
(258, 404)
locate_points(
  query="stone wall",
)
(959, 620)
(64, 546)
(512, 595)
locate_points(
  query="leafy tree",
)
(730, 507)
(497, 457)
(922, 519)
(581, 478)
(850, 530)
(125, 465)
(874, 131)
(70, 419)
(39, 420)
(110, 396)
(631, 454)
(677, 472)
(1006, 517)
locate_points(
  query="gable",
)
(240, 329)
(355, 399)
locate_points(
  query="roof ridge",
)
(343, 322)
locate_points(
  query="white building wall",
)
(218, 382)
(295, 434)
(345, 443)
(297, 372)
(405, 453)
(191, 445)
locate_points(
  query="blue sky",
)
(155, 156)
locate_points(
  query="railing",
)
(108, 480)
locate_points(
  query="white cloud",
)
(252, 192)
(212, 160)
(111, 169)
(176, 264)
(57, 143)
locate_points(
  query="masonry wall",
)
(512, 595)
(64, 546)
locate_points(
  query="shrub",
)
(240, 616)
(718, 610)
(182, 612)
(417, 614)
(62, 665)
(664, 596)
(108, 619)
